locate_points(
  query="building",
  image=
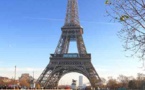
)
(80, 80)
(5, 82)
(25, 76)
(5, 79)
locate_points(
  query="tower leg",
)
(58, 67)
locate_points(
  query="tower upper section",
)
(72, 18)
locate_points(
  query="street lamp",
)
(15, 77)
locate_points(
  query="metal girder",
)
(62, 62)
(52, 79)
(68, 35)
(72, 17)
(71, 31)
(81, 45)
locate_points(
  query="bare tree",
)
(132, 84)
(131, 14)
(112, 83)
(123, 80)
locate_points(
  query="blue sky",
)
(30, 30)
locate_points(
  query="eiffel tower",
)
(62, 62)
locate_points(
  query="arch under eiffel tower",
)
(62, 62)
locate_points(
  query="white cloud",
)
(66, 79)
(55, 19)
(9, 72)
(43, 18)
(21, 69)
(116, 70)
(103, 71)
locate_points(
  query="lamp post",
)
(15, 77)
(33, 80)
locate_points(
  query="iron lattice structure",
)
(72, 17)
(62, 62)
(71, 31)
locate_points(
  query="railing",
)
(70, 55)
